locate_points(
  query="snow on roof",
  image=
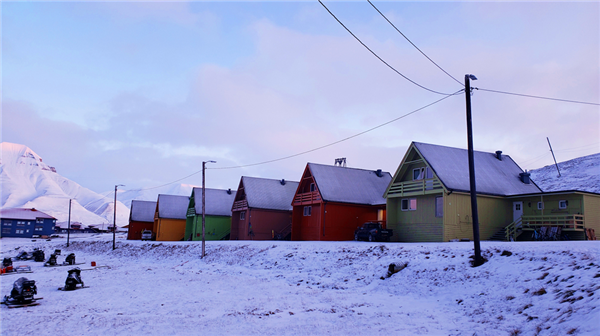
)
(23, 213)
(269, 193)
(492, 176)
(350, 185)
(218, 202)
(143, 211)
(172, 206)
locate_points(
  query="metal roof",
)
(265, 193)
(23, 213)
(173, 206)
(492, 176)
(218, 202)
(350, 185)
(143, 211)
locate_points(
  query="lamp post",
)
(69, 225)
(115, 216)
(478, 261)
(203, 206)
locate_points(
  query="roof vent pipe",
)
(282, 181)
(229, 191)
(378, 172)
(499, 155)
(525, 177)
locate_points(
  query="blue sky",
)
(142, 93)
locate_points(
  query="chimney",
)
(525, 177)
(229, 191)
(378, 173)
(282, 181)
(499, 155)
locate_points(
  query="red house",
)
(262, 209)
(332, 201)
(141, 217)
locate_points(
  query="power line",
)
(381, 59)
(398, 30)
(538, 97)
(341, 140)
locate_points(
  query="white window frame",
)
(439, 208)
(242, 215)
(19, 231)
(409, 204)
(313, 187)
(308, 210)
(540, 205)
(563, 204)
(39, 228)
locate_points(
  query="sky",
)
(140, 93)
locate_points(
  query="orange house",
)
(141, 217)
(332, 201)
(170, 217)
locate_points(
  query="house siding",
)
(135, 229)
(215, 227)
(591, 205)
(420, 225)
(168, 229)
(494, 214)
(263, 223)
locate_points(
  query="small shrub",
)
(540, 291)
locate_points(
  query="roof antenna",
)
(556, 164)
(340, 161)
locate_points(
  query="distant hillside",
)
(578, 174)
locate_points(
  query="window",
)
(242, 215)
(418, 174)
(517, 206)
(563, 204)
(307, 210)
(20, 223)
(312, 187)
(540, 205)
(39, 228)
(5, 230)
(408, 204)
(19, 231)
(7, 223)
(439, 207)
(39, 220)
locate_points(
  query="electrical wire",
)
(381, 59)
(344, 139)
(538, 97)
(398, 30)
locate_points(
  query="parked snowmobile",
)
(22, 294)
(51, 261)
(38, 255)
(73, 279)
(24, 256)
(70, 260)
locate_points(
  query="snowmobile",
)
(24, 256)
(70, 260)
(38, 255)
(73, 279)
(7, 262)
(51, 261)
(22, 294)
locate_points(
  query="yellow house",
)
(170, 217)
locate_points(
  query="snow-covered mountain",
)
(582, 174)
(126, 196)
(29, 182)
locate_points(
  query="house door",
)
(517, 210)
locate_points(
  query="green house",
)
(217, 220)
(428, 199)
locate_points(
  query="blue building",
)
(25, 223)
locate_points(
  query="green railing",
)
(417, 187)
(566, 222)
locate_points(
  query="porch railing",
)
(240, 205)
(566, 222)
(308, 197)
(418, 187)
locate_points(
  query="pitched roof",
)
(218, 202)
(23, 213)
(269, 193)
(350, 185)
(172, 206)
(492, 176)
(143, 211)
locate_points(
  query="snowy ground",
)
(310, 288)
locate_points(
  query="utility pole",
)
(69, 225)
(115, 216)
(478, 260)
(556, 164)
(204, 206)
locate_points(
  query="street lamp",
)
(115, 217)
(203, 205)
(478, 260)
